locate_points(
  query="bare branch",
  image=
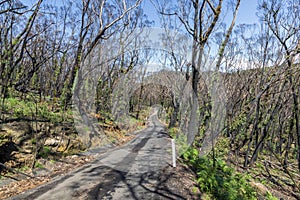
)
(103, 29)
(211, 7)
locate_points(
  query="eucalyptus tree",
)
(201, 19)
(99, 20)
(121, 55)
(284, 23)
(107, 67)
(17, 21)
(254, 51)
(14, 37)
(261, 119)
(177, 48)
(42, 50)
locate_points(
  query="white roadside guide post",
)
(173, 152)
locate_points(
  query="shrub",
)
(269, 196)
(38, 165)
(41, 110)
(217, 179)
(44, 152)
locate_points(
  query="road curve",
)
(127, 172)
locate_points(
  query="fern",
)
(219, 181)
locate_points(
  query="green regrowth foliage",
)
(219, 181)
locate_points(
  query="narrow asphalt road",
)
(127, 172)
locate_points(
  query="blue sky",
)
(246, 14)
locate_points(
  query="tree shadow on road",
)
(148, 185)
